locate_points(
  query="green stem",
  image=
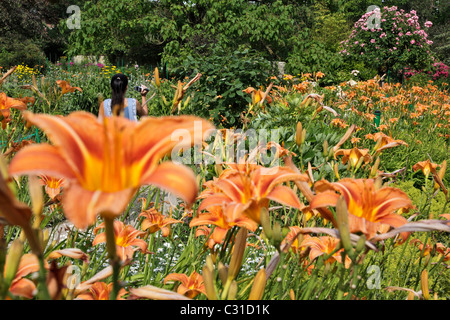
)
(114, 260)
(35, 245)
(43, 290)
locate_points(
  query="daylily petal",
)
(324, 199)
(69, 252)
(284, 195)
(175, 178)
(23, 288)
(39, 158)
(82, 206)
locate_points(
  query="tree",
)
(28, 29)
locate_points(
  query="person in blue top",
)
(130, 108)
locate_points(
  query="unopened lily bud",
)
(378, 183)
(232, 291)
(292, 294)
(359, 163)
(186, 102)
(378, 144)
(259, 283)
(223, 273)
(238, 253)
(277, 235)
(298, 134)
(303, 135)
(306, 102)
(424, 284)
(265, 222)
(13, 260)
(343, 226)
(45, 237)
(331, 152)
(373, 171)
(157, 80)
(325, 148)
(361, 244)
(336, 171)
(209, 263)
(440, 174)
(178, 94)
(208, 280)
(166, 103)
(37, 199)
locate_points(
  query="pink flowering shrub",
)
(389, 39)
(439, 71)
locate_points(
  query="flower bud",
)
(361, 244)
(157, 79)
(232, 291)
(343, 226)
(259, 283)
(265, 222)
(325, 148)
(373, 171)
(238, 253)
(440, 175)
(12, 261)
(424, 284)
(336, 170)
(208, 280)
(223, 272)
(299, 134)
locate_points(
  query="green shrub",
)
(224, 77)
(14, 53)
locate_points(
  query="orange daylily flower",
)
(155, 221)
(16, 146)
(353, 155)
(66, 87)
(308, 213)
(250, 187)
(127, 238)
(52, 186)
(369, 206)
(224, 218)
(293, 238)
(100, 291)
(205, 231)
(325, 245)
(6, 103)
(426, 167)
(104, 163)
(320, 74)
(27, 100)
(384, 141)
(339, 122)
(427, 249)
(21, 286)
(190, 286)
(257, 95)
(13, 211)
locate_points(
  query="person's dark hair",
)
(119, 83)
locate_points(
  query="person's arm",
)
(141, 108)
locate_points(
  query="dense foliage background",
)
(304, 34)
